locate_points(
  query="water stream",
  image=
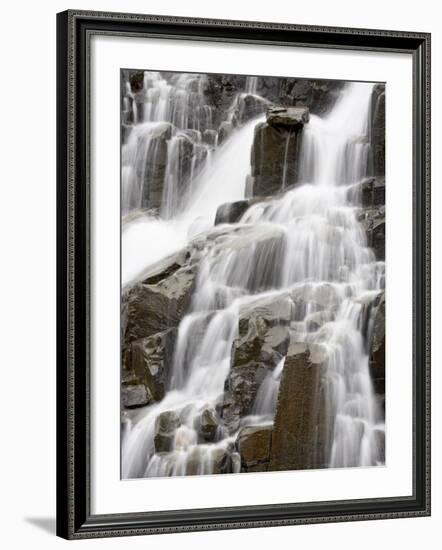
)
(318, 259)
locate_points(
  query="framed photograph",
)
(243, 274)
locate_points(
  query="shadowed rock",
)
(275, 151)
(151, 361)
(231, 212)
(299, 432)
(135, 395)
(378, 130)
(156, 307)
(253, 444)
(155, 166)
(377, 347)
(373, 222)
(263, 341)
(207, 424)
(166, 425)
(368, 193)
(221, 461)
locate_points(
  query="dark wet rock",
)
(184, 143)
(154, 170)
(250, 106)
(207, 424)
(135, 395)
(272, 147)
(221, 90)
(151, 361)
(299, 432)
(236, 462)
(378, 130)
(136, 79)
(164, 268)
(263, 333)
(368, 193)
(126, 130)
(373, 222)
(161, 300)
(221, 461)
(287, 117)
(225, 130)
(379, 435)
(193, 463)
(263, 341)
(127, 115)
(318, 95)
(166, 425)
(377, 347)
(210, 137)
(232, 212)
(253, 444)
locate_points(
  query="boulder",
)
(221, 461)
(164, 268)
(287, 117)
(378, 130)
(135, 395)
(166, 425)
(253, 444)
(263, 341)
(207, 424)
(377, 346)
(231, 212)
(368, 193)
(151, 361)
(275, 157)
(373, 222)
(300, 433)
(159, 302)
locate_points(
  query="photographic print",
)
(252, 274)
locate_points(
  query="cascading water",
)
(306, 246)
(174, 131)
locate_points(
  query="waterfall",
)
(173, 123)
(305, 245)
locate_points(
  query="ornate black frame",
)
(74, 30)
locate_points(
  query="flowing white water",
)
(305, 245)
(146, 238)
